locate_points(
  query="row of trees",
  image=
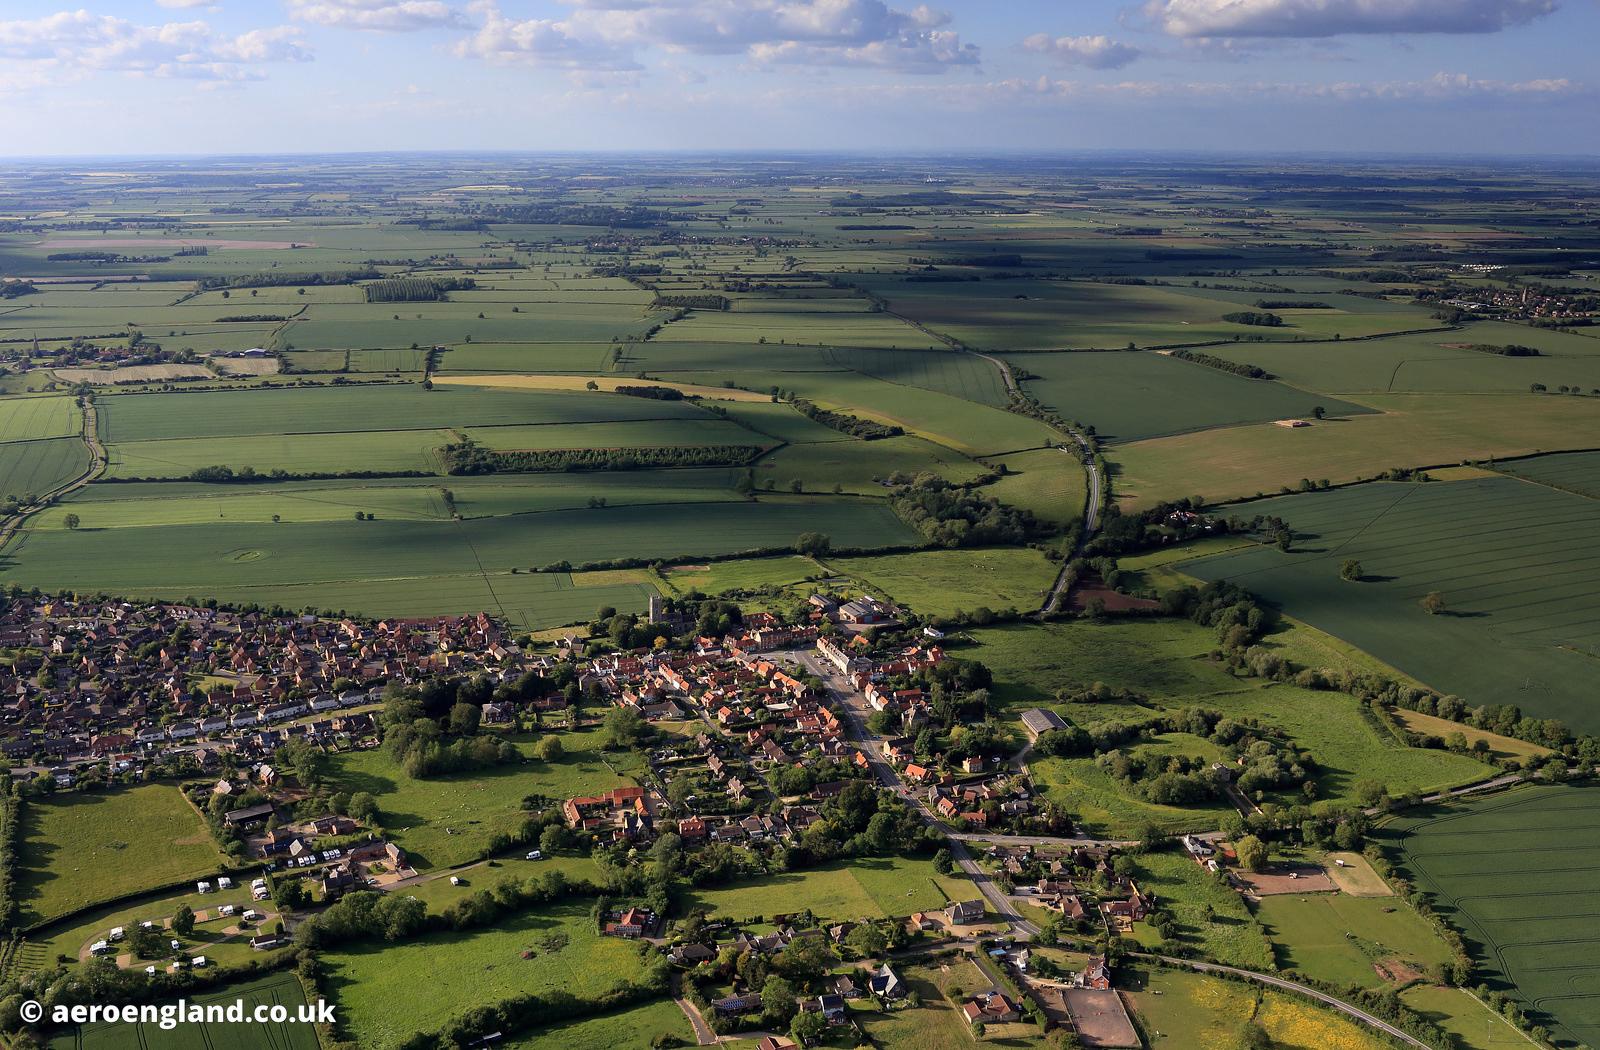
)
(469, 457)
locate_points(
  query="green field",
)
(1134, 396)
(1515, 874)
(279, 989)
(1209, 915)
(1413, 430)
(376, 986)
(635, 1029)
(32, 418)
(1511, 559)
(1337, 938)
(414, 566)
(40, 466)
(448, 820)
(940, 583)
(382, 407)
(85, 848)
(1189, 1011)
(868, 888)
(1577, 472)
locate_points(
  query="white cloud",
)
(1095, 52)
(185, 3)
(78, 40)
(609, 33)
(1324, 18)
(378, 16)
(539, 41)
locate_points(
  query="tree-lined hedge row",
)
(469, 457)
(1237, 368)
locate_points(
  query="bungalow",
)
(691, 954)
(832, 1007)
(991, 1008)
(734, 1005)
(964, 913)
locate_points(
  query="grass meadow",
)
(84, 848)
(448, 820)
(868, 888)
(634, 1029)
(378, 987)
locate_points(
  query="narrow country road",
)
(703, 1035)
(1300, 989)
(97, 466)
(1093, 504)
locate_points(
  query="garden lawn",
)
(84, 848)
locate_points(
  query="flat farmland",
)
(948, 372)
(1577, 472)
(1515, 564)
(1515, 873)
(860, 467)
(81, 849)
(141, 504)
(31, 418)
(275, 562)
(278, 989)
(966, 426)
(1134, 396)
(375, 985)
(404, 325)
(804, 329)
(40, 466)
(1412, 430)
(375, 450)
(473, 358)
(1429, 362)
(321, 410)
(639, 433)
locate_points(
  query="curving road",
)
(97, 466)
(1299, 989)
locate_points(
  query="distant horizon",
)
(900, 153)
(312, 77)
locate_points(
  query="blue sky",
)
(196, 76)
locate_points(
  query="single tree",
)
(1350, 570)
(72, 521)
(1433, 602)
(183, 920)
(1252, 852)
